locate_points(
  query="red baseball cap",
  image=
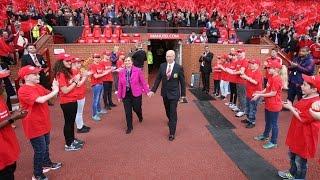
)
(4, 74)
(241, 50)
(313, 80)
(274, 64)
(96, 55)
(26, 70)
(76, 59)
(64, 57)
(255, 61)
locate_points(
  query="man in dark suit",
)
(205, 68)
(36, 60)
(173, 87)
(139, 56)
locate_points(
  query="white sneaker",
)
(103, 111)
(235, 108)
(240, 114)
(231, 106)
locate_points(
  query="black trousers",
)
(130, 102)
(205, 81)
(171, 112)
(44, 80)
(107, 93)
(69, 113)
(293, 91)
(216, 87)
(8, 172)
(233, 93)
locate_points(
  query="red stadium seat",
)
(136, 38)
(109, 41)
(96, 31)
(82, 41)
(96, 41)
(123, 41)
(125, 37)
(89, 38)
(118, 31)
(115, 38)
(86, 31)
(107, 31)
(197, 41)
(223, 33)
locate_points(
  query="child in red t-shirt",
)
(107, 81)
(68, 97)
(98, 73)
(33, 98)
(302, 137)
(80, 90)
(9, 151)
(273, 105)
(217, 77)
(253, 77)
(224, 82)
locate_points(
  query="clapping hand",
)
(55, 85)
(19, 114)
(150, 94)
(255, 96)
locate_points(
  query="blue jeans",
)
(241, 93)
(271, 119)
(298, 166)
(251, 110)
(97, 92)
(41, 153)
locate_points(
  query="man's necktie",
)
(128, 79)
(168, 72)
(35, 60)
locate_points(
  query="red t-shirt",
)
(80, 91)
(233, 66)
(107, 65)
(9, 147)
(37, 122)
(250, 87)
(216, 72)
(71, 96)
(302, 137)
(315, 50)
(240, 64)
(269, 60)
(225, 75)
(274, 103)
(120, 63)
(96, 69)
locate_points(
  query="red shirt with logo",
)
(216, 72)
(9, 147)
(96, 69)
(241, 64)
(274, 103)
(302, 137)
(81, 90)
(37, 122)
(107, 65)
(71, 96)
(250, 87)
(225, 75)
(232, 77)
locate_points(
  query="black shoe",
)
(41, 177)
(52, 166)
(113, 105)
(83, 130)
(171, 137)
(141, 119)
(245, 121)
(250, 125)
(128, 131)
(87, 127)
